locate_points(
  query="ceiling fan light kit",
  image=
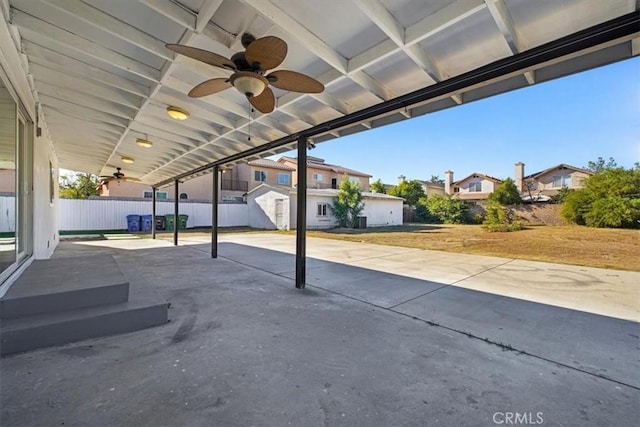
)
(128, 160)
(249, 68)
(177, 113)
(249, 84)
(144, 143)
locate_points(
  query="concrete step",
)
(144, 309)
(58, 285)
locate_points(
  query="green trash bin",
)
(182, 222)
(169, 220)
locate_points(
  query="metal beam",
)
(607, 32)
(176, 212)
(214, 214)
(153, 212)
(301, 221)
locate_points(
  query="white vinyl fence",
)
(111, 214)
(8, 214)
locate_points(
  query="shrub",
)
(610, 198)
(561, 195)
(423, 213)
(500, 218)
(447, 209)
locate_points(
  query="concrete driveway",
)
(381, 336)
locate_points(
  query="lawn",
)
(593, 247)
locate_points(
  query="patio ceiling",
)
(103, 77)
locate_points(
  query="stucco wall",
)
(45, 213)
(379, 212)
(545, 182)
(261, 205)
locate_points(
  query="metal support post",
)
(301, 221)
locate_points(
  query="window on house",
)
(317, 177)
(475, 186)
(322, 209)
(284, 179)
(260, 176)
(184, 196)
(456, 189)
(561, 181)
(159, 195)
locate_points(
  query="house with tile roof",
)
(549, 181)
(325, 175)
(473, 188)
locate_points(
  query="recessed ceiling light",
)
(145, 143)
(127, 159)
(177, 113)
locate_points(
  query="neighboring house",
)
(275, 207)
(474, 188)
(429, 187)
(324, 175)
(195, 189)
(234, 183)
(432, 188)
(549, 181)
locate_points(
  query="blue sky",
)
(570, 120)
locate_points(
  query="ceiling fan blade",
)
(265, 102)
(209, 87)
(267, 52)
(202, 55)
(294, 81)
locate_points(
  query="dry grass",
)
(593, 247)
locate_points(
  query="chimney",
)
(448, 181)
(520, 176)
(401, 179)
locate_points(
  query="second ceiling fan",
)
(249, 69)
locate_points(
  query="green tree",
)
(436, 179)
(610, 198)
(601, 164)
(348, 204)
(377, 186)
(506, 193)
(410, 191)
(447, 209)
(78, 186)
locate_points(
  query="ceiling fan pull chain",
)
(250, 118)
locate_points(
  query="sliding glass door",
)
(8, 179)
(16, 184)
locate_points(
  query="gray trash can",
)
(362, 222)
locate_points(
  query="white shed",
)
(269, 207)
(379, 209)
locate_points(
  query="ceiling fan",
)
(249, 68)
(118, 175)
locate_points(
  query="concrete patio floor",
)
(381, 336)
